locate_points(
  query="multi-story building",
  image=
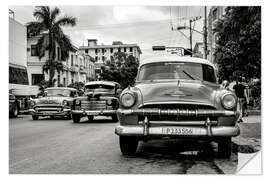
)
(198, 50)
(103, 53)
(215, 13)
(75, 68)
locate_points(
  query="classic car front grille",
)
(168, 118)
(48, 108)
(94, 105)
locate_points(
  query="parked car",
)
(100, 98)
(177, 97)
(56, 102)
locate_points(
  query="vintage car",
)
(100, 98)
(57, 102)
(177, 97)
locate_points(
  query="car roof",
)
(111, 83)
(64, 88)
(158, 59)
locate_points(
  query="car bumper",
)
(162, 131)
(101, 112)
(64, 112)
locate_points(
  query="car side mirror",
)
(118, 91)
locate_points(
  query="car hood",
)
(52, 100)
(178, 91)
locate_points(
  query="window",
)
(64, 82)
(103, 51)
(215, 15)
(86, 51)
(37, 78)
(111, 50)
(119, 49)
(96, 59)
(125, 49)
(103, 58)
(58, 53)
(72, 63)
(96, 51)
(34, 51)
(58, 80)
(18, 76)
(130, 49)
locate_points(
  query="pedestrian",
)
(241, 93)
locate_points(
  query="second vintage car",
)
(100, 98)
(57, 102)
(177, 97)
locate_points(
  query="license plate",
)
(93, 113)
(177, 131)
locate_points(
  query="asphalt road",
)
(55, 146)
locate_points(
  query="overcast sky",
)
(142, 25)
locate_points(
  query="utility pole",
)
(205, 34)
(190, 36)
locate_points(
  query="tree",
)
(49, 28)
(238, 48)
(121, 68)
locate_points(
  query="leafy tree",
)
(238, 48)
(121, 68)
(49, 28)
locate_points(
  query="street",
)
(58, 146)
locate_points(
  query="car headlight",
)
(109, 102)
(77, 102)
(228, 101)
(128, 99)
(32, 103)
(65, 103)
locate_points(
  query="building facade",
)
(103, 53)
(198, 50)
(215, 13)
(75, 68)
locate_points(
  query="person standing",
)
(241, 93)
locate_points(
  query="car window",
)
(176, 70)
(59, 92)
(98, 86)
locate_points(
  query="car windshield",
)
(100, 87)
(59, 92)
(177, 70)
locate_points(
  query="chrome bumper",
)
(94, 112)
(159, 131)
(64, 112)
(176, 112)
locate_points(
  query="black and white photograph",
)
(133, 89)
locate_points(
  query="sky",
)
(143, 25)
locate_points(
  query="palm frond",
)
(34, 28)
(66, 21)
(42, 45)
(55, 12)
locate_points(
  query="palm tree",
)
(48, 27)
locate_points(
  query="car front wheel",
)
(114, 118)
(76, 118)
(224, 147)
(15, 111)
(90, 118)
(128, 145)
(34, 117)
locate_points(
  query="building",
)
(103, 53)
(18, 72)
(75, 68)
(215, 13)
(198, 50)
